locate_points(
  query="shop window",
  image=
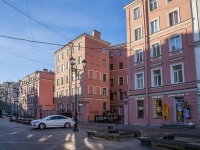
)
(140, 109)
(158, 108)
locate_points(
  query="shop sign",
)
(158, 96)
(178, 95)
(139, 98)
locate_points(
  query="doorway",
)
(179, 110)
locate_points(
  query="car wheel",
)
(41, 126)
(67, 125)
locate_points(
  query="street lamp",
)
(75, 70)
(16, 101)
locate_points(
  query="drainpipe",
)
(146, 46)
(129, 59)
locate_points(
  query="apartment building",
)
(36, 94)
(118, 77)
(90, 85)
(163, 62)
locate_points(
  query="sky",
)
(52, 24)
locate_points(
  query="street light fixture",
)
(76, 71)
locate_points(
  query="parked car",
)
(53, 121)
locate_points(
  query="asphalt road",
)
(16, 136)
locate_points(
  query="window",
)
(79, 91)
(63, 55)
(73, 49)
(139, 80)
(154, 26)
(63, 67)
(138, 34)
(173, 18)
(104, 77)
(58, 94)
(58, 69)
(62, 80)
(137, 13)
(155, 50)
(67, 92)
(79, 46)
(73, 77)
(104, 62)
(177, 73)
(104, 91)
(121, 95)
(67, 65)
(153, 4)
(175, 43)
(111, 81)
(58, 82)
(58, 57)
(79, 60)
(158, 108)
(139, 55)
(140, 109)
(111, 54)
(111, 96)
(104, 49)
(120, 65)
(111, 67)
(120, 52)
(67, 79)
(79, 75)
(62, 93)
(104, 106)
(73, 91)
(169, 1)
(156, 77)
(68, 52)
(121, 80)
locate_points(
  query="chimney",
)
(45, 70)
(96, 34)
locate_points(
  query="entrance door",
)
(179, 110)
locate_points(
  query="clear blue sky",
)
(52, 21)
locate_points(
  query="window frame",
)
(111, 54)
(104, 78)
(136, 15)
(172, 73)
(140, 52)
(104, 91)
(141, 107)
(152, 50)
(151, 2)
(152, 77)
(121, 65)
(120, 52)
(170, 45)
(104, 51)
(136, 79)
(120, 80)
(140, 36)
(178, 15)
(157, 24)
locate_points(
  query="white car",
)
(53, 121)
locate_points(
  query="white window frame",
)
(159, 45)
(68, 52)
(136, 83)
(67, 78)
(104, 63)
(67, 65)
(153, 5)
(172, 73)
(79, 60)
(136, 13)
(79, 46)
(92, 89)
(104, 50)
(157, 25)
(171, 11)
(140, 37)
(170, 45)
(139, 51)
(120, 52)
(106, 77)
(63, 67)
(63, 55)
(105, 92)
(152, 77)
(58, 58)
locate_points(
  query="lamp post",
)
(16, 101)
(75, 70)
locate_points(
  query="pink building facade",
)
(36, 94)
(92, 82)
(162, 73)
(118, 78)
